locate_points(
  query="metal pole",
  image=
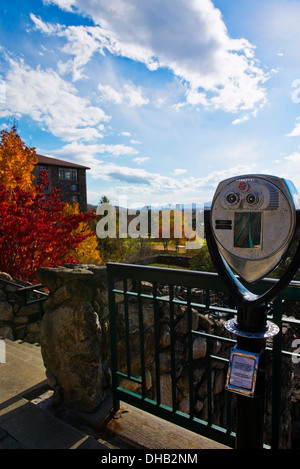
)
(250, 411)
(251, 325)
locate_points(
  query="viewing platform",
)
(30, 420)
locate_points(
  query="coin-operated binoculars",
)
(252, 225)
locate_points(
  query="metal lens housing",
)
(252, 198)
(232, 198)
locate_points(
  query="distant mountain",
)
(190, 206)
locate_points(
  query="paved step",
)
(22, 423)
(26, 423)
(22, 371)
(25, 353)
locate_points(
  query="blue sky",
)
(162, 99)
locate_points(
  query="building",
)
(69, 178)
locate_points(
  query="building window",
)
(67, 174)
(73, 187)
(75, 198)
(39, 177)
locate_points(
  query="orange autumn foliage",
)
(87, 251)
(17, 161)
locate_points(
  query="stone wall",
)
(75, 335)
(166, 259)
(18, 320)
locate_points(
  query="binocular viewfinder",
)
(253, 218)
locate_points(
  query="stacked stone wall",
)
(18, 320)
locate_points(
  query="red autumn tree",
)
(34, 231)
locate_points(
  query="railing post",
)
(113, 339)
(276, 375)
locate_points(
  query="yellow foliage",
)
(86, 252)
(17, 161)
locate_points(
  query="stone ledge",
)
(49, 276)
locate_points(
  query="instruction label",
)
(242, 372)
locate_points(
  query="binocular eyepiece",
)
(253, 219)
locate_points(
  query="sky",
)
(161, 99)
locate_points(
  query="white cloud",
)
(82, 46)
(52, 102)
(294, 157)
(296, 130)
(91, 155)
(82, 43)
(155, 187)
(63, 4)
(140, 159)
(187, 37)
(88, 152)
(129, 95)
(179, 171)
(46, 28)
(135, 142)
(290, 168)
(240, 120)
(159, 189)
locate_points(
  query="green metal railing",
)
(29, 295)
(125, 286)
(34, 295)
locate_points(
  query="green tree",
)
(279, 271)
(112, 249)
(202, 260)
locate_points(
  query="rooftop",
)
(56, 162)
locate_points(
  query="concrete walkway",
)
(28, 421)
(22, 423)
